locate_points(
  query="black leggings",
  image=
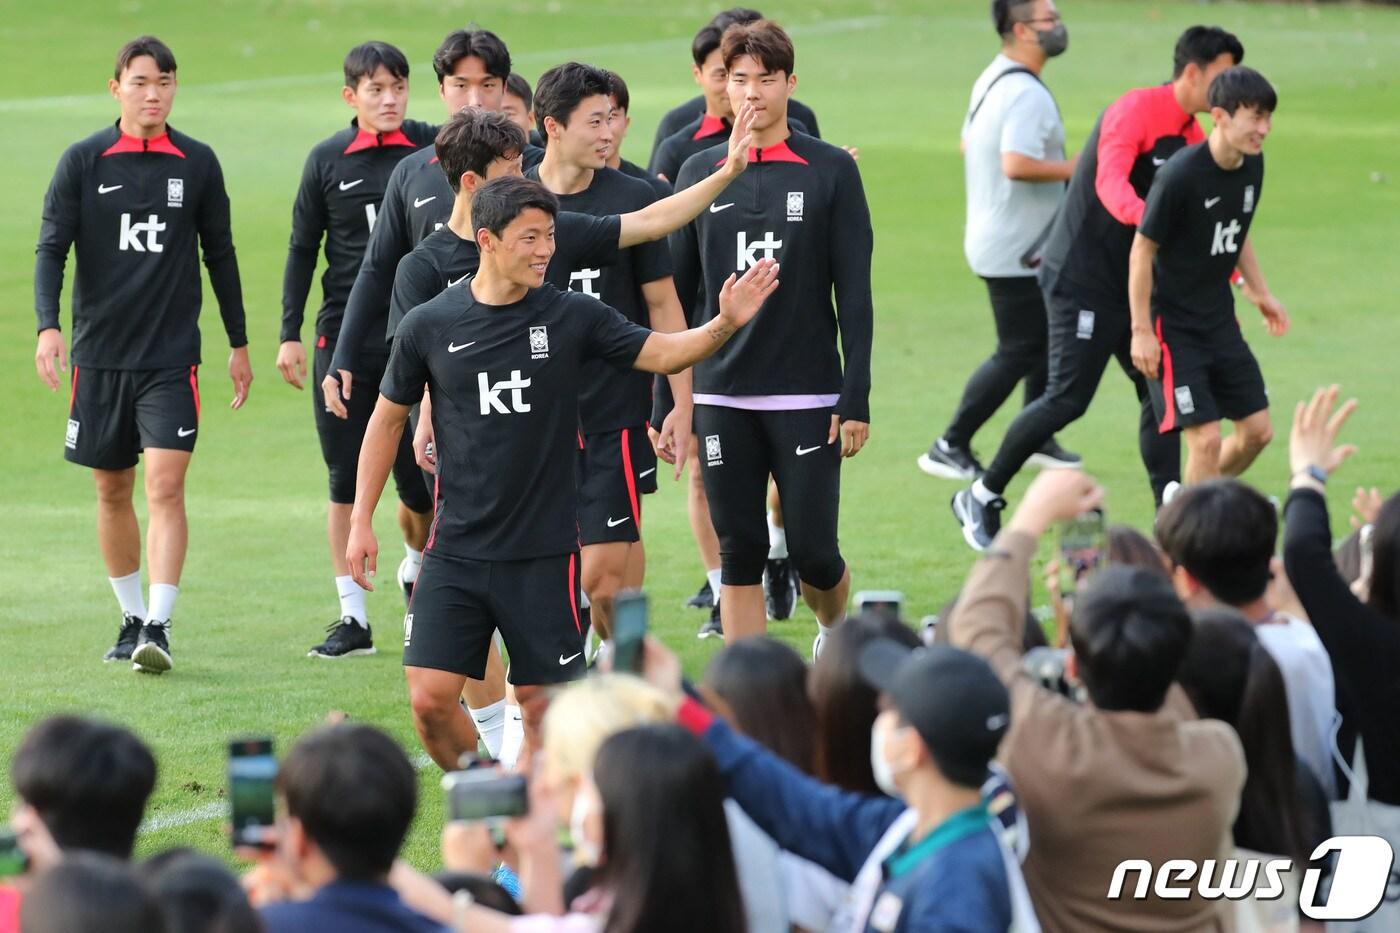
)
(1019, 312)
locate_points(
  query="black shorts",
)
(114, 414)
(458, 603)
(614, 469)
(341, 437)
(738, 450)
(1205, 378)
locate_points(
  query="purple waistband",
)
(767, 402)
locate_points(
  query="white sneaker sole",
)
(353, 652)
(1047, 462)
(963, 523)
(944, 471)
(150, 659)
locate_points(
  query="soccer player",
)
(519, 104)
(137, 201)
(1084, 273)
(705, 76)
(503, 355)
(620, 122)
(616, 461)
(341, 187)
(775, 401)
(1193, 234)
(1013, 144)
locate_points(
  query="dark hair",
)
(1230, 676)
(1003, 18)
(472, 139)
(88, 781)
(618, 89)
(90, 892)
(764, 684)
(517, 86)
(1201, 45)
(1240, 87)
(501, 200)
(1129, 633)
(561, 89)
(144, 45)
(465, 43)
(483, 890)
(763, 40)
(736, 14)
(669, 859)
(1223, 532)
(1385, 561)
(705, 43)
(354, 791)
(365, 59)
(198, 894)
(845, 705)
(1132, 548)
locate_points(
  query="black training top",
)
(613, 400)
(132, 209)
(342, 185)
(678, 117)
(1199, 215)
(697, 136)
(800, 202)
(663, 188)
(505, 382)
(444, 260)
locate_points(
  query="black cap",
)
(959, 707)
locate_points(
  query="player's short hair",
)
(1201, 45)
(517, 86)
(1223, 532)
(472, 139)
(501, 200)
(736, 14)
(1240, 87)
(1004, 17)
(144, 45)
(464, 43)
(368, 57)
(562, 88)
(708, 38)
(618, 89)
(764, 40)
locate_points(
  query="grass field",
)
(260, 83)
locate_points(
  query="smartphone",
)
(13, 860)
(1083, 544)
(889, 603)
(484, 794)
(629, 627)
(252, 772)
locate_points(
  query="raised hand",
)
(1316, 425)
(740, 299)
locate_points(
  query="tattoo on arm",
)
(720, 332)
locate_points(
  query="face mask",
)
(586, 851)
(884, 774)
(1053, 41)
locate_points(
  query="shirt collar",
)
(711, 126)
(125, 143)
(778, 152)
(364, 139)
(956, 827)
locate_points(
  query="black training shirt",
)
(663, 188)
(137, 212)
(505, 382)
(697, 136)
(678, 117)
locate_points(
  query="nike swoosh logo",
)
(453, 347)
(1211, 202)
(347, 185)
(1158, 162)
(646, 472)
(613, 523)
(419, 202)
(563, 660)
(452, 282)
(185, 432)
(804, 451)
(103, 189)
(716, 208)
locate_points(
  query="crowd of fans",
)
(1214, 702)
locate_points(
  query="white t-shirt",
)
(1308, 681)
(1005, 218)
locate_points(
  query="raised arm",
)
(739, 301)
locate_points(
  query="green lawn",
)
(260, 82)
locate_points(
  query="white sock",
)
(982, 494)
(713, 577)
(777, 540)
(490, 723)
(512, 738)
(162, 600)
(826, 630)
(352, 599)
(128, 590)
(583, 602)
(412, 564)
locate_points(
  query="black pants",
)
(1019, 312)
(1083, 336)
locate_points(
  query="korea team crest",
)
(713, 455)
(175, 192)
(539, 342)
(794, 206)
(1249, 199)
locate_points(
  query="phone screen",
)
(629, 626)
(13, 861)
(1083, 543)
(484, 795)
(252, 772)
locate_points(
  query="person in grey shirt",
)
(1013, 145)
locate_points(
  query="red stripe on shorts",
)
(1168, 385)
(631, 478)
(73, 394)
(194, 387)
(573, 594)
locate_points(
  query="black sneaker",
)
(980, 523)
(347, 638)
(712, 627)
(126, 639)
(947, 462)
(152, 653)
(1052, 456)
(704, 597)
(779, 592)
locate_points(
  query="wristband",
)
(1315, 472)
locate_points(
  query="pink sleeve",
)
(1120, 139)
(9, 910)
(547, 923)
